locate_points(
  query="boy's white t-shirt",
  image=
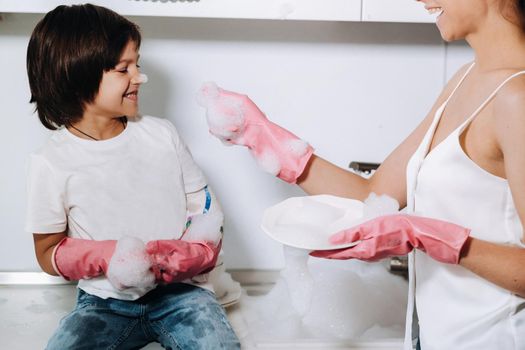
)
(134, 184)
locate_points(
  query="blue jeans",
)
(178, 316)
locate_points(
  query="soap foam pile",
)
(330, 300)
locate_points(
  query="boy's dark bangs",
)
(116, 45)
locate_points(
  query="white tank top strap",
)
(460, 82)
(439, 111)
(491, 96)
(422, 151)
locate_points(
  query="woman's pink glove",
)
(176, 260)
(235, 119)
(124, 262)
(398, 234)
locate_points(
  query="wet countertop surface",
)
(30, 315)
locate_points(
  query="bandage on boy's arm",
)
(202, 202)
(205, 217)
(235, 119)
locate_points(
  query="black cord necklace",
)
(123, 120)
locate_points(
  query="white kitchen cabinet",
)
(395, 11)
(316, 10)
(325, 10)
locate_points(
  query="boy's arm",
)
(44, 246)
(74, 259)
(199, 204)
(124, 262)
(196, 252)
(177, 260)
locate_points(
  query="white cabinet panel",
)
(325, 10)
(395, 11)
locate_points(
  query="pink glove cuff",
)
(276, 150)
(76, 259)
(53, 259)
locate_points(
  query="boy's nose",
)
(140, 78)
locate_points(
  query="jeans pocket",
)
(85, 300)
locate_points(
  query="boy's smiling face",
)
(118, 91)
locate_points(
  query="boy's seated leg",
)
(188, 317)
(97, 323)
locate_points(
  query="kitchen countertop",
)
(30, 314)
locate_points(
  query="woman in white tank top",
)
(460, 175)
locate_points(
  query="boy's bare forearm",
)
(44, 246)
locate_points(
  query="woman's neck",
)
(499, 44)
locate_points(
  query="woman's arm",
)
(235, 119)
(504, 265)
(499, 264)
(323, 177)
(44, 246)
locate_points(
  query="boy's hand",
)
(235, 119)
(125, 263)
(131, 265)
(398, 234)
(177, 260)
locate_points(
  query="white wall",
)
(353, 90)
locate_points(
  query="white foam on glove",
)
(297, 147)
(205, 227)
(208, 93)
(225, 119)
(379, 205)
(269, 162)
(130, 265)
(235, 119)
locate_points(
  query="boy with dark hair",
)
(109, 180)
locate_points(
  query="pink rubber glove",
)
(398, 234)
(235, 119)
(178, 260)
(125, 262)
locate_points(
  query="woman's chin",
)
(448, 35)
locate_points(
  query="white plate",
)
(232, 297)
(308, 222)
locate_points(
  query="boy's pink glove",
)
(176, 260)
(235, 119)
(398, 234)
(124, 262)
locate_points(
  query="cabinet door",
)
(396, 11)
(325, 10)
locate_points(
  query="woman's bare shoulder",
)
(457, 76)
(508, 119)
(509, 102)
